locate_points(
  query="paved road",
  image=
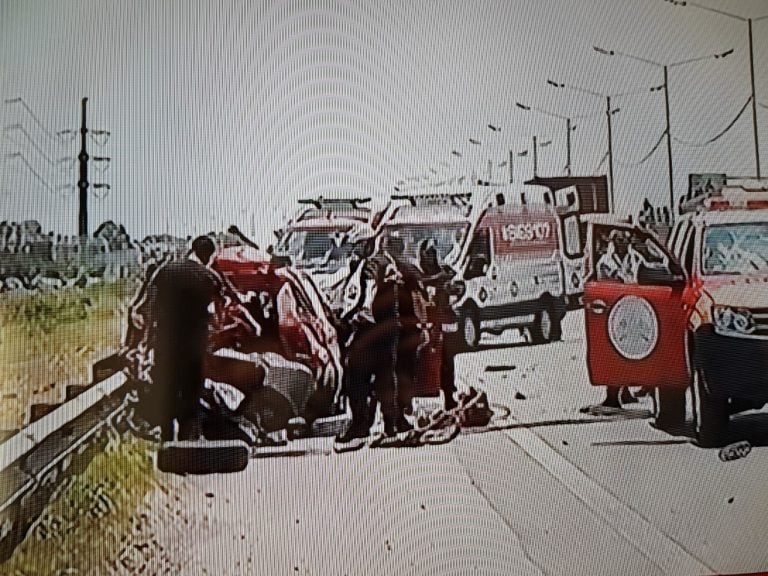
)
(556, 492)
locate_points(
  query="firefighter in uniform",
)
(372, 347)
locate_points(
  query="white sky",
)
(226, 112)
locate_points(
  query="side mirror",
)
(659, 277)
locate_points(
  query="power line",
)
(35, 145)
(29, 166)
(648, 155)
(34, 116)
(600, 165)
(719, 134)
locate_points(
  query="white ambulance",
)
(512, 267)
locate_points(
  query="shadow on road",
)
(642, 442)
(752, 427)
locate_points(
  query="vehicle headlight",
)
(733, 319)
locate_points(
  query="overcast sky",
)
(226, 112)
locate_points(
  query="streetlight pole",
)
(568, 129)
(749, 22)
(665, 69)
(568, 146)
(535, 158)
(669, 143)
(754, 99)
(609, 114)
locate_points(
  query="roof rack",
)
(330, 203)
(460, 199)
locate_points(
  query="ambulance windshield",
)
(736, 249)
(447, 239)
(320, 249)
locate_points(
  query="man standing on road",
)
(371, 350)
(439, 279)
(174, 312)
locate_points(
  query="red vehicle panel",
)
(635, 335)
(635, 317)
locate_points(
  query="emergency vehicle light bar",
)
(456, 199)
(321, 203)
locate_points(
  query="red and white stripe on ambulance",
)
(523, 235)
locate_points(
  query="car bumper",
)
(734, 366)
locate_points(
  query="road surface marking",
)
(658, 547)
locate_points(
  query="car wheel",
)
(543, 327)
(669, 408)
(710, 413)
(470, 328)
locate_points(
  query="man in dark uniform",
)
(408, 329)
(175, 316)
(439, 278)
(372, 349)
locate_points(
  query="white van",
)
(512, 268)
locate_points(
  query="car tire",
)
(669, 408)
(710, 413)
(469, 325)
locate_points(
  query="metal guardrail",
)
(35, 460)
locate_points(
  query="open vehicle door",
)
(634, 316)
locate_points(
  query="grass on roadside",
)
(49, 340)
(86, 529)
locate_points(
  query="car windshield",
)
(736, 249)
(447, 238)
(327, 249)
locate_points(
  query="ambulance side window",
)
(479, 254)
(572, 245)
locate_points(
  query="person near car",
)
(439, 278)
(408, 288)
(173, 315)
(372, 346)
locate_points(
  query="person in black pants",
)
(372, 349)
(440, 277)
(175, 317)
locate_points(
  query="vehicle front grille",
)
(760, 316)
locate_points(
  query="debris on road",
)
(500, 368)
(734, 451)
(520, 396)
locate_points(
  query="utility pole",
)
(669, 146)
(511, 167)
(609, 113)
(82, 184)
(535, 158)
(568, 146)
(754, 98)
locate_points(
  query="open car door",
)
(634, 317)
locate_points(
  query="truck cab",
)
(693, 314)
